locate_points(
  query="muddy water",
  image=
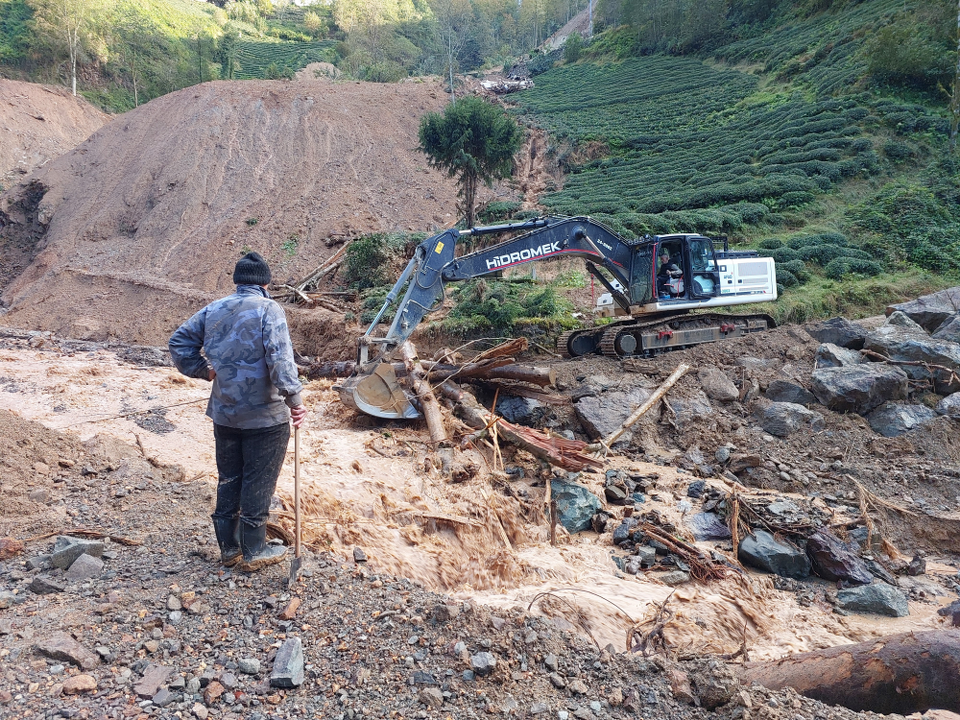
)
(374, 489)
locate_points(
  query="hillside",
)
(41, 122)
(137, 227)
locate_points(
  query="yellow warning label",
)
(439, 247)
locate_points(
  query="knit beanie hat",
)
(251, 269)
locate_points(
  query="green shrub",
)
(370, 260)
(781, 255)
(770, 244)
(797, 267)
(499, 211)
(838, 267)
(785, 278)
(573, 47)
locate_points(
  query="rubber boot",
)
(228, 538)
(256, 552)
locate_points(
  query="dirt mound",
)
(41, 122)
(140, 225)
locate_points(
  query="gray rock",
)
(483, 664)
(193, 686)
(551, 662)
(832, 560)
(707, 526)
(859, 388)
(899, 319)
(830, 355)
(431, 697)
(576, 505)
(164, 697)
(785, 391)
(62, 647)
(930, 311)
(359, 555)
(838, 331)
(646, 555)
(66, 549)
(7, 599)
(154, 677)
(40, 562)
(288, 665)
(950, 406)
(84, 568)
(248, 666)
(689, 411)
(761, 550)
(905, 345)
(602, 414)
(673, 578)
(783, 419)
(877, 597)
(43, 585)
(717, 385)
(892, 419)
(948, 330)
(539, 708)
(520, 410)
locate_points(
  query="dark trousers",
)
(248, 463)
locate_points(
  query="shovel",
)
(297, 561)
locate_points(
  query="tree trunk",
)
(906, 673)
(428, 401)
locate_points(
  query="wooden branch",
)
(506, 349)
(606, 442)
(510, 388)
(906, 673)
(428, 401)
(701, 567)
(496, 370)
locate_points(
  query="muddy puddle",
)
(374, 488)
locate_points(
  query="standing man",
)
(248, 355)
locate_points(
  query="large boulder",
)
(830, 355)
(785, 391)
(690, 410)
(603, 413)
(907, 345)
(877, 597)
(576, 505)
(832, 560)
(900, 319)
(762, 550)
(892, 419)
(838, 331)
(783, 418)
(930, 311)
(717, 385)
(950, 406)
(521, 410)
(858, 388)
(949, 329)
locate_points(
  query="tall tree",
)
(67, 21)
(453, 22)
(955, 100)
(474, 140)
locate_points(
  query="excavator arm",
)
(373, 388)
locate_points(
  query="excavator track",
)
(675, 332)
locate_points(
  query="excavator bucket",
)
(377, 392)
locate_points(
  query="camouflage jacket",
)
(243, 337)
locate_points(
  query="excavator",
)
(653, 283)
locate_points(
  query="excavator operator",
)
(668, 275)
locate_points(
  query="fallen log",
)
(328, 368)
(905, 673)
(429, 404)
(495, 370)
(567, 454)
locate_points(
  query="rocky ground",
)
(146, 623)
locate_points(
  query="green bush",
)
(781, 255)
(796, 267)
(785, 278)
(371, 260)
(838, 267)
(770, 244)
(499, 211)
(573, 47)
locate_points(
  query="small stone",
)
(249, 666)
(213, 692)
(229, 681)
(359, 555)
(483, 664)
(42, 585)
(79, 684)
(163, 698)
(200, 712)
(431, 697)
(539, 708)
(39, 496)
(557, 680)
(551, 662)
(173, 603)
(577, 686)
(290, 611)
(151, 646)
(67, 549)
(175, 617)
(154, 677)
(84, 568)
(193, 686)
(288, 665)
(61, 646)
